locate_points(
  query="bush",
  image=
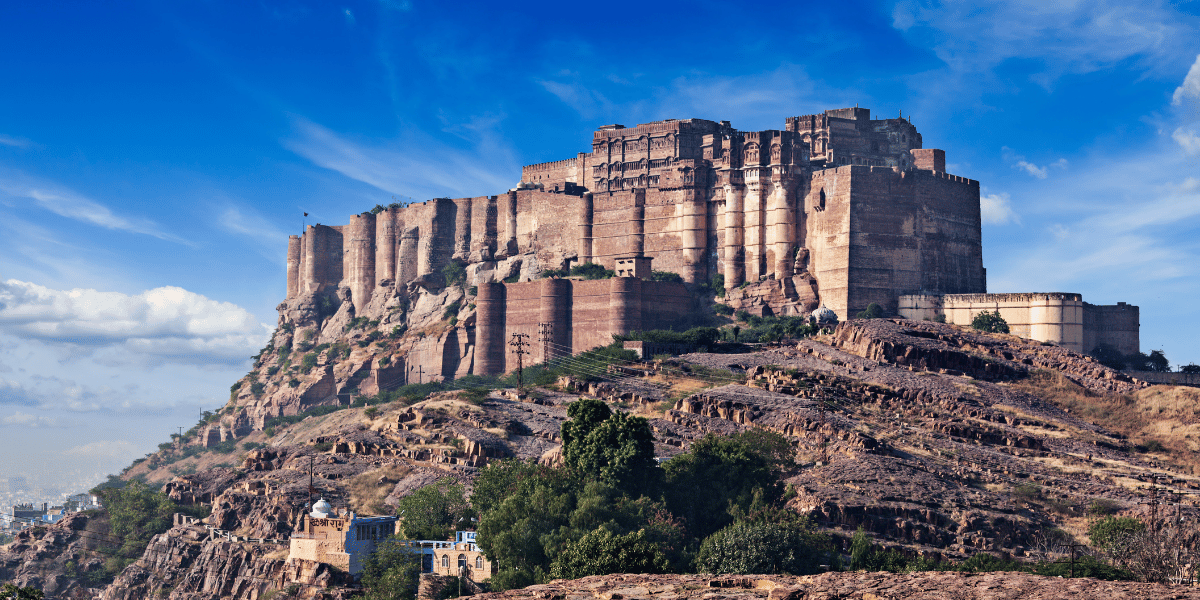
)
(600, 552)
(718, 284)
(666, 276)
(293, 382)
(257, 388)
(1110, 533)
(723, 309)
(789, 546)
(873, 311)
(308, 362)
(590, 271)
(989, 322)
(455, 273)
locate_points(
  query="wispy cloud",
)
(418, 165)
(1018, 162)
(752, 101)
(15, 394)
(1067, 37)
(167, 323)
(68, 203)
(20, 419)
(16, 142)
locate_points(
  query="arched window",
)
(445, 561)
(479, 562)
(462, 563)
(821, 200)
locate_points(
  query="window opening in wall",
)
(445, 561)
(479, 562)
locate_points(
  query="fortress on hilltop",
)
(835, 208)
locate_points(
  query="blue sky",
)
(154, 156)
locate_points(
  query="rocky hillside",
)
(936, 440)
(844, 586)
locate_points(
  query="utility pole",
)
(518, 343)
(545, 335)
(824, 437)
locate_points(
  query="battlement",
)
(550, 166)
(664, 126)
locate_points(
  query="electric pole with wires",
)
(546, 337)
(518, 343)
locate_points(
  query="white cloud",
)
(1067, 37)
(419, 165)
(1190, 88)
(1032, 169)
(8, 140)
(1187, 139)
(73, 205)
(14, 393)
(995, 209)
(21, 419)
(114, 449)
(167, 323)
(1019, 162)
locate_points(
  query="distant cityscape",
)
(26, 498)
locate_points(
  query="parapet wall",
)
(1063, 319)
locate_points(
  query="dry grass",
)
(1161, 419)
(368, 490)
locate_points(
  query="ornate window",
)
(751, 153)
(776, 153)
(479, 562)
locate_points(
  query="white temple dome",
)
(321, 509)
(824, 315)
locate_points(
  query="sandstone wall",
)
(1046, 317)
(1118, 325)
(584, 314)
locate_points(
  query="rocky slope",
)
(936, 440)
(63, 559)
(843, 586)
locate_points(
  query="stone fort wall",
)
(1060, 318)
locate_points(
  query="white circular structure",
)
(321, 509)
(824, 315)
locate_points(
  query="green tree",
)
(391, 572)
(12, 592)
(989, 322)
(601, 552)
(1108, 356)
(1158, 362)
(434, 511)
(719, 477)
(782, 543)
(136, 513)
(873, 311)
(1191, 369)
(612, 447)
(1110, 533)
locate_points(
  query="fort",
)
(835, 209)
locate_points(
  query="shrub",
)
(257, 388)
(371, 412)
(591, 271)
(1110, 533)
(398, 331)
(455, 273)
(718, 284)
(666, 276)
(989, 322)
(600, 552)
(723, 309)
(308, 362)
(873, 311)
(293, 383)
(790, 546)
